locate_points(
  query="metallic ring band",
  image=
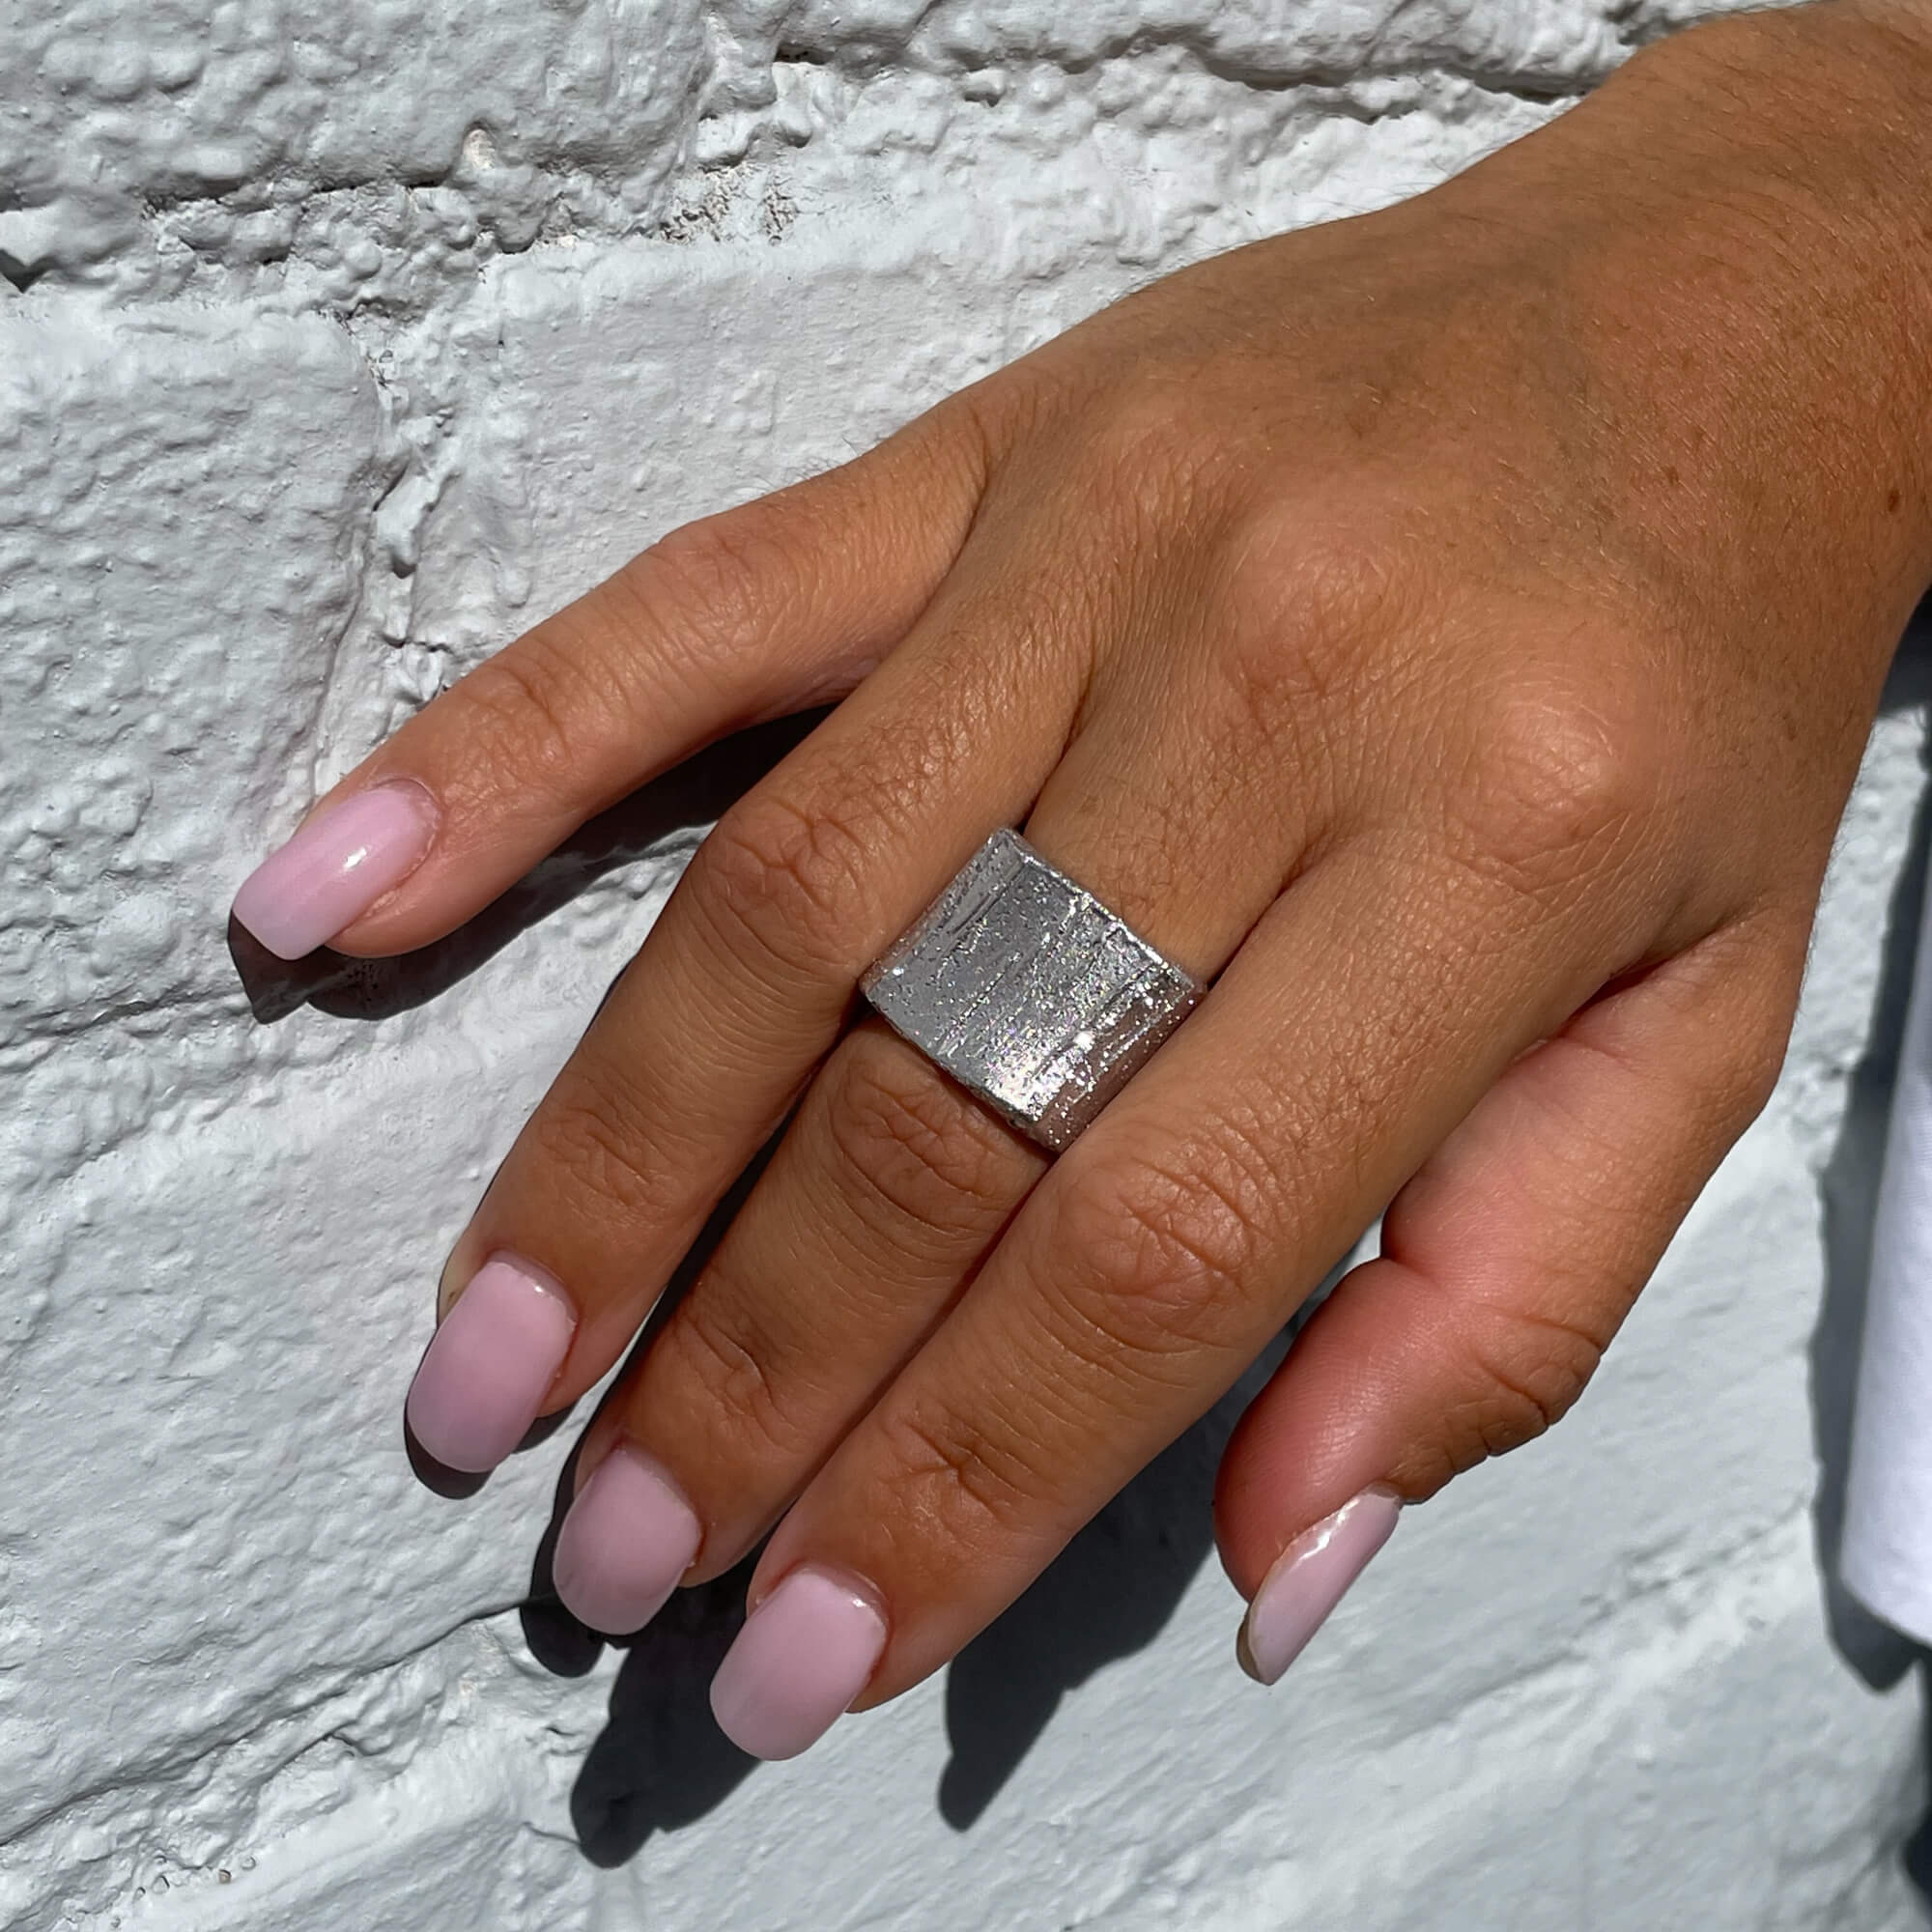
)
(1026, 989)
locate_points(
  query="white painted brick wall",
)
(341, 337)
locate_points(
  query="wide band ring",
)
(1026, 989)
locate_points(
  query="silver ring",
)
(1026, 989)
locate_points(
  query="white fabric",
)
(1885, 1557)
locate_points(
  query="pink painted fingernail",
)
(625, 1542)
(336, 867)
(489, 1365)
(804, 1653)
(1309, 1579)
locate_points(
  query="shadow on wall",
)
(661, 1762)
(1876, 1652)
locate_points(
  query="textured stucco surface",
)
(338, 338)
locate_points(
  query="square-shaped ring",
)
(1028, 991)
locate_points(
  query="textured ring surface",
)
(1026, 989)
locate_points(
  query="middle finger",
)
(890, 1186)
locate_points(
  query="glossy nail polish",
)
(625, 1542)
(803, 1654)
(489, 1365)
(337, 866)
(1309, 1579)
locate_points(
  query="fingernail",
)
(490, 1363)
(1309, 1579)
(336, 867)
(804, 1653)
(625, 1542)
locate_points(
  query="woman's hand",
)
(1453, 631)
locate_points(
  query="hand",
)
(1452, 632)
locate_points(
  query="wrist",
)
(1899, 34)
(1834, 170)
(1733, 230)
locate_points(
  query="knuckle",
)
(1163, 1241)
(792, 879)
(1150, 460)
(1302, 598)
(1735, 995)
(688, 608)
(1145, 432)
(599, 1144)
(1557, 784)
(733, 572)
(924, 1150)
(1520, 1373)
(709, 1348)
(1768, 978)
(1756, 1070)
(529, 710)
(951, 1477)
(1291, 576)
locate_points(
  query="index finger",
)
(774, 606)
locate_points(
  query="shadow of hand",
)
(661, 1761)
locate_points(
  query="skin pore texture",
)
(1452, 632)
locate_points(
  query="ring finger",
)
(886, 1191)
